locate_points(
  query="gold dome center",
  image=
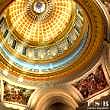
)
(41, 23)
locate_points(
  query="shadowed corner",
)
(60, 106)
(4, 3)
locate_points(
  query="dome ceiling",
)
(44, 39)
(41, 22)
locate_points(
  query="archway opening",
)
(59, 106)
